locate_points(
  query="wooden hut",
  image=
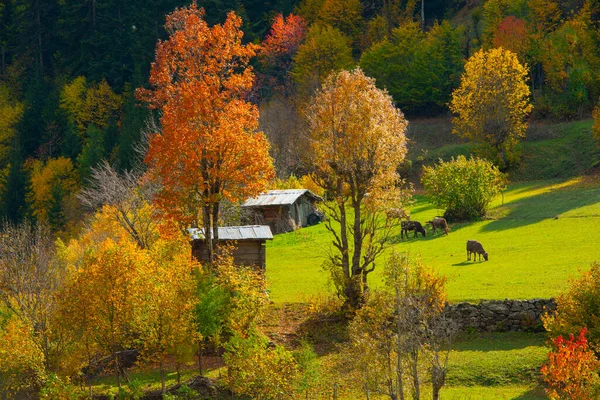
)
(284, 210)
(248, 243)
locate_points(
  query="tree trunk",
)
(39, 38)
(399, 379)
(3, 62)
(423, 15)
(200, 360)
(117, 372)
(162, 378)
(438, 378)
(215, 226)
(415, 374)
(208, 233)
(345, 256)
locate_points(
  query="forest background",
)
(69, 69)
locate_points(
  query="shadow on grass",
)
(465, 263)
(548, 205)
(498, 341)
(536, 393)
(325, 331)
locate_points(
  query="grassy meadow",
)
(543, 233)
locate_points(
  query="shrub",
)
(259, 370)
(572, 369)
(464, 188)
(578, 307)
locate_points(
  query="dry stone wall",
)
(500, 315)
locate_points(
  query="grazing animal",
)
(412, 226)
(474, 247)
(439, 223)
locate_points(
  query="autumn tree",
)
(571, 371)
(53, 189)
(357, 140)
(578, 307)
(88, 105)
(129, 196)
(463, 187)
(208, 148)
(279, 48)
(401, 328)
(165, 322)
(570, 63)
(29, 281)
(103, 297)
(513, 35)
(492, 103)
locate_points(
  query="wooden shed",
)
(284, 210)
(248, 243)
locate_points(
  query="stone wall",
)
(500, 315)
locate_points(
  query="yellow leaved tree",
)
(357, 141)
(492, 103)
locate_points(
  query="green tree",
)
(570, 62)
(419, 70)
(492, 103)
(345, 15)
(325, 50)
(463, 188)
(93, 152)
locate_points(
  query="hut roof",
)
(279, 197)
(249, 232)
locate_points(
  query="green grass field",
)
(544, 233)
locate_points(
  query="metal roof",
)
(279, 197)
(248, 232)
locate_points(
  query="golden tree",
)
(54, 185)
(209, 148)
(492, 103)
(166, 321)
(357, 140)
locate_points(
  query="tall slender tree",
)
(357, 141)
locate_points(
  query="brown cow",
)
(440, 223)
(474, 247)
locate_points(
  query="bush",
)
(464, 188)
(579, 307)
(572, 369)
(259, 370)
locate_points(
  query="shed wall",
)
(247, 252)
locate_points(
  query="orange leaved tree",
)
(572, 369)
(209, 147)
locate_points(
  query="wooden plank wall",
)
(247, 252)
